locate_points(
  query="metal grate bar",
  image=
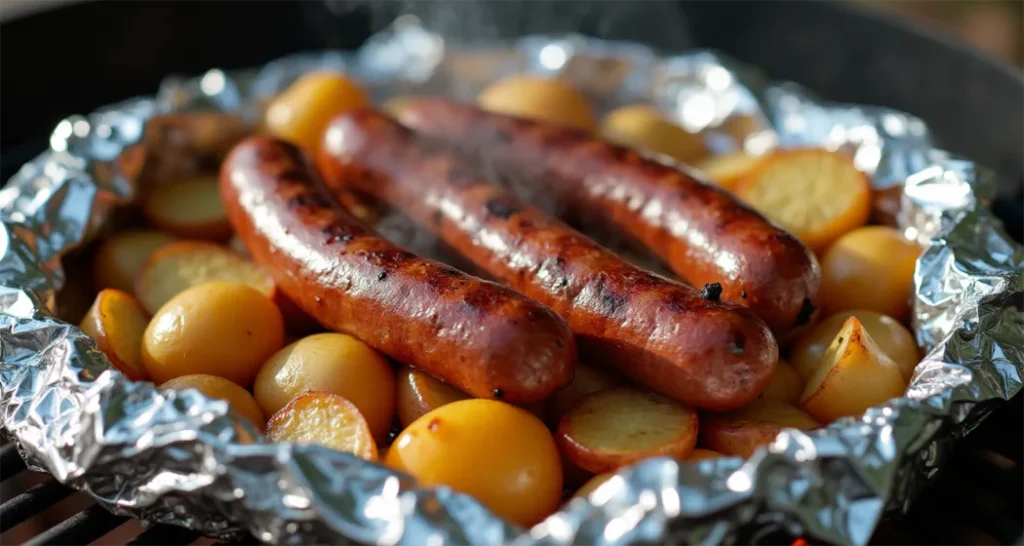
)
(30, 503)
(81, 528)
(10, 462)
(159, 535)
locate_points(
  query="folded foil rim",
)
(181, 458)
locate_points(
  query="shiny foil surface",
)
(184, 459)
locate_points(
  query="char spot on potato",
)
(501, 207)
(738, 345)
(499, 394)
(434, 424)
(711, 291)
(806, 311)
(840, 340)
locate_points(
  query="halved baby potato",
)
(726, 170)
(855, 374)
(324, 419)
(893, 338)
(592, 484)
(644, 128)
(221, 389)
(182, 265)
(332, 363)
(619, 426)
(740, 432)
(815, 194)
(117, 321)
(420, 393)
(700, 454)
(587, 380)
(118, 259)
(189, 208)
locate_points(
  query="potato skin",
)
(740, 432)
(117, 322)
(544, 99)
(221, 389)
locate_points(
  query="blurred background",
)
(993, 26)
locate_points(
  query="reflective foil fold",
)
(184, 459)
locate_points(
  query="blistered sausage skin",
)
(477, 335)
(702, 233)
(658, 332)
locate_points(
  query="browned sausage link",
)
(700, 231)
(658, 332)
(479, 336)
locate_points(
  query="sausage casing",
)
(477, 335)
(701, 232)
(658, 332)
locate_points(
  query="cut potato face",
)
(542, 99)
(500, 454)
(332, 363)
(700, 454)
(119, 258)
(587, 380)
(740, 432)
(894, 339)
(816, 195)
(644, 128)
(419, 393)
(189, 208)
(182, 265)
(218, 328)
(727, 170)
(117, 322)
(221, 389)
(619, 426)
(855, 375)
(323, 419)
(785, 385)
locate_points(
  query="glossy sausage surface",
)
(702, 233)
(658, 332)
(477, 335)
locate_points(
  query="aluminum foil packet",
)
(181, 458)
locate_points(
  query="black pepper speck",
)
(711, 291)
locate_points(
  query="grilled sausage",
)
(477, 335)
(658, 332)
(700, 231)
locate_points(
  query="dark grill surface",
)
(978, 499)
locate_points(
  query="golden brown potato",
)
(892, 337)
(221, 389)
(301, 113)
(394, 105)
(616, 427)
(740, 432)
(642, 127)
(587, 380)
(218, 328)
(178, 266)
(500, 454)
(855, 375)
(119, 258)
(785, 385)
(419, 393)
(727, 170)
(815, 194)
(869, 268)
(332, 363)
(323, 419)
(189, 208)
(117, 321)
(543, 99)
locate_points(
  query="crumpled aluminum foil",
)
(184, 459)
